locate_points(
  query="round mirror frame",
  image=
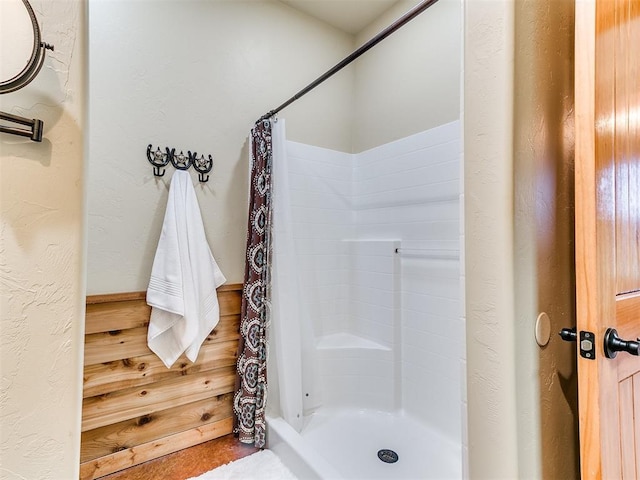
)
(34, 65)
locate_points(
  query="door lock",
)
(569, 334)
(587, 345)
(587, 341)
(614, 344)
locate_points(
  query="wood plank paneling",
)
(135, 409)
(148, 451)
(125, 311)
(120, 436)
(636, 417)
(626, 146)
(123, 344)
(627, 314)
(189, 462)
(115, 345)
(129, 403)
(107, 377)
(106, 317)
(116, 297)
(627, 429)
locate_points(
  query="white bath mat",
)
(263, 465)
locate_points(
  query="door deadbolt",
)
(586, 340)
(569, 334)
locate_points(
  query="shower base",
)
(344, 444)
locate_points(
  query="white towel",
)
(184, 278)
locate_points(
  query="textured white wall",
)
(489, 261)
(195, 75)
(410, 82)
(41, 254)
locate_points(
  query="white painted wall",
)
(41, 259)
(410, 82)
(195, 75)
(489, 233)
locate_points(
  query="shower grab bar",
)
(430, 253)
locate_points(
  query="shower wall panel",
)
(374, 291)
(389, 319)
(359, 367)
(409, 190)
(320, 181)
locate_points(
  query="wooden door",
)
(608, 232)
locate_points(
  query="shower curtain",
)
(273, 301)
(291, 336)
(250, 398)
(285, 329)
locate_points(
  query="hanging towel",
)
(182, 289)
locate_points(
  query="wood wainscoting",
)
(135, 409)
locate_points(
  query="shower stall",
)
(366, 364)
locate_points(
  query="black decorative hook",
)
(202, 165)
(180, 161)
(158, 159)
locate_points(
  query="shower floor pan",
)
(344, 444)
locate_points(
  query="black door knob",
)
(614, 344)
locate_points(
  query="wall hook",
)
(158, 159)
(180, 161)
(202, 165)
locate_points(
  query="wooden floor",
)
(189, 462)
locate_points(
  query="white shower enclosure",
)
(367, 324)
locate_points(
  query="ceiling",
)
(350, 16)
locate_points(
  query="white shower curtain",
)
(291, 335)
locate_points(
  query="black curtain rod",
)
(410, 15)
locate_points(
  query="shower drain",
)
(387, 456)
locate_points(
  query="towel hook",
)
(158, 159)
(180, 161)
(202, 165)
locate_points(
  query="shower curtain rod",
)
(410, 15)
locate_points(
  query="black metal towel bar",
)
(160, 159)
(34, 132)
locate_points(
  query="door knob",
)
(614, 344)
